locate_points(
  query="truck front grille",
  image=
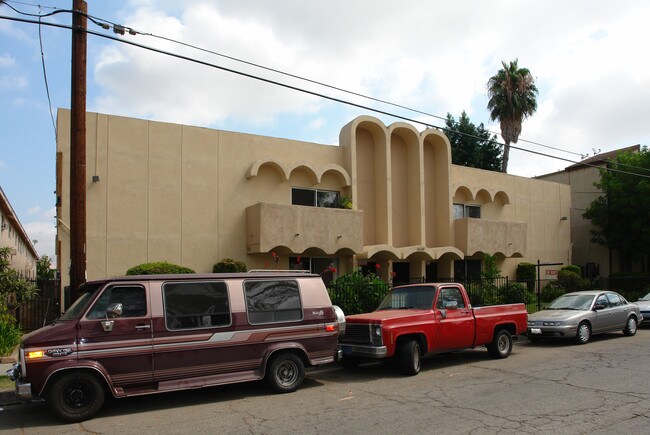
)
(361, 334)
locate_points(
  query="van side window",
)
(272, 301)
(195, 304)
(133, 300)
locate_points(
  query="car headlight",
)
(552, 323)
(375, 334)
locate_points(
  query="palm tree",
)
(513, 98)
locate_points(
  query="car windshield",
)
(79, 306)
(572, 302)
(414, 297)
(645, 298)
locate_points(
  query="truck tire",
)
(285, 372)
(501, 345)
(76, 396)
(409, 358)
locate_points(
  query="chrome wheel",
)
(584, 333)
(630, 327)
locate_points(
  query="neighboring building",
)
(596, 260)
(13, 235)
(193, 196)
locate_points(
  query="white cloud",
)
(7, 60)
(45, 234)
(10, 82)
(435, 57)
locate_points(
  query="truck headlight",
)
(375, 334)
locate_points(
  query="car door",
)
(118, 337)
(455, 319)
(619, 310)
(603, 319)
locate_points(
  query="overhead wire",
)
(298, 89)
(47, 87)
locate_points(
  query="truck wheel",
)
(501, 345)
(583, 334)
(285, 373)
(76, 396)
(630, 326)
(409, 358)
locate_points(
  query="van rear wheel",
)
(285, 373)
(76, 396)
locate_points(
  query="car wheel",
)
(630, 326)
(76, 396)
(584, 333)
(501, 345)
(285, 373)
(410, 358)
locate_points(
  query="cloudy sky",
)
(589, 58)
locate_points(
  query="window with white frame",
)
(315, 197)
(467, 211)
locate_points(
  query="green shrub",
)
(357, 293)
(158, 268)
(570, 278)
(9, 338)
(527, 272)
(516, 293)
(228, 265)
(551, 291)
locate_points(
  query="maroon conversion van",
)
(150, 334)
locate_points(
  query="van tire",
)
(409, 358)
(76, 396)
(285, 372)
(501, 346)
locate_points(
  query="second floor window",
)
(467, 211)
(315, 198)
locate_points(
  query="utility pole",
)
(78, 149)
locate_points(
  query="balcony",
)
(299, 228)
(482, 235)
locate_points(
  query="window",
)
(195, 304)
(467, 211)
(614, 299)
(272, 301)
(450, 294)
(467, 269)
(315, 198)
(602, 300)
(325, 267)
(133, 300)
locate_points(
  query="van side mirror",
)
(114, 310)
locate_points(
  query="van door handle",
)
(142, 327)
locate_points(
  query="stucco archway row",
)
(285, 170)
(488, 195)
(411, 252)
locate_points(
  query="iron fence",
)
(42, 309)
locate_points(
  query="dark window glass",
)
(602, 300)
(133, 300)
(327, 198)
(272, 301)
(614, 300)
(303, 197)
(473, 211)
(190, 305)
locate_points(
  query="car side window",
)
(195, 304)
(272, 301)
(614, 300)
(450, 294)
(602, 300)
(132, 298)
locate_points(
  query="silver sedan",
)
(644, 307)
(581, 314)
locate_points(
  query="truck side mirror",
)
(451, 305)
(114, 310)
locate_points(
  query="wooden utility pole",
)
(78, 150)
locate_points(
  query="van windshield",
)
(79, 306)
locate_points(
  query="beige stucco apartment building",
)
(13, 235)
(193, 196)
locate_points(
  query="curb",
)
(8, 398)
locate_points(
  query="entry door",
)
(121, 344)
(456, 326)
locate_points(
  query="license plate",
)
(535, 330)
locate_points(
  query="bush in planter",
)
(357, 293)
(158, 268)
(570, 278)
(228, 265)
(527, 273)
(551, 291)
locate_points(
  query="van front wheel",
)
(76, 396)
(285, 373)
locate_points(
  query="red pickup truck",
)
(420, 319)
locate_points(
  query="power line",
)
(306, 91)
(47, 87)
